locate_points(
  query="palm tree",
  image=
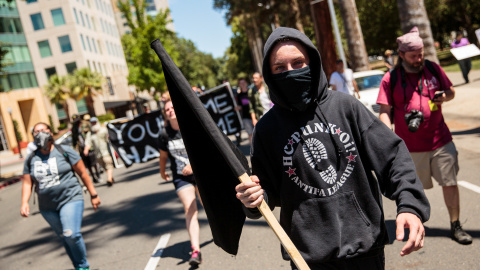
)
(412, 13)
(353, 31)
(85, 84)
(58, 92)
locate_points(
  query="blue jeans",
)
(66, 223)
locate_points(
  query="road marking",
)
(469, 186)
(157, 252)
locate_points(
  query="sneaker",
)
(196, 258)
(459, 235)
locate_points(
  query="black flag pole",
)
(216, 163)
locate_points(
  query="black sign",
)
(136, 141)
(220, 104)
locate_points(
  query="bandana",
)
(411, 41)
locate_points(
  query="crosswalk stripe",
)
(469, 186)
(157, 252)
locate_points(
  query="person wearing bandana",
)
(326, 160)
(422, 90)
(51, 168)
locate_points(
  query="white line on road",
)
(157, 252)
(469, 186)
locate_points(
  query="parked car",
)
(369, 85)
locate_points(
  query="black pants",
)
(375, 262)
(465, 66)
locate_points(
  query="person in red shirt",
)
(418, 94)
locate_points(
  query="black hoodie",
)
(320, 166)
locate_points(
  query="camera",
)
(413, 119)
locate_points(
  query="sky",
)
(197, 21)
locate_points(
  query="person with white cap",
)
(416, 90)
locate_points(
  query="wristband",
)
(93, 196)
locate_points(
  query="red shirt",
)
(433, 132)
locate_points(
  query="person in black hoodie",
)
(325, 159)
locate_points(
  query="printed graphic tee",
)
(55, 182)
(171, 141)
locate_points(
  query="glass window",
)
(94, 46)
(57, 16)
(65, 44)
(88, 21)
(100, 47)
(93, 24)
(82, 106)
(31, 1)
(10, 25)
(94, 66)
(83, 42)
(60, 111)
(71, 67)
(44, 48)
(37, 21)
(81, 17)
(15, 82)
(89, 46)
(76, 16)
(50, 71)
(33, 79)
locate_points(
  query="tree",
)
(58, 92)
(353, 31)
(412, 13)
(84, 83)
(145, 69)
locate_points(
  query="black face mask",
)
(42, 139)
(295, 87)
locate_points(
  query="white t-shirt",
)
(343, 81)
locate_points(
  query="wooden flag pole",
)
(278, 230)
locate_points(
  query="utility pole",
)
(322, 22)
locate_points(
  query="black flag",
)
(216, 161)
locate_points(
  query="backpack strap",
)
(64, 154)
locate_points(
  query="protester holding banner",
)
(244, 107)
(465, 64)
(171, 146)
(259, 98)
(98, 139)
(315, 153)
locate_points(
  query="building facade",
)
(46, 37)
(21, 98)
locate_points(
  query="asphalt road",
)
(141, 208)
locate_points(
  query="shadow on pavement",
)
(181, 251)
(141, 215)
(467, 132)
(429, 232)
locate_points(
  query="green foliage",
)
(145, 69)
(62, 126)
(84, 83)
(57, 90)
(380, 24)
(106, 117)
(50, 121)
(17, 131)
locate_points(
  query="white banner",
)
(465, 52)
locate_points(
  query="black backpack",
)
(394, 76)
(394, 79)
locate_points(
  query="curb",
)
(9, 182)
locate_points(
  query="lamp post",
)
(14, 131)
